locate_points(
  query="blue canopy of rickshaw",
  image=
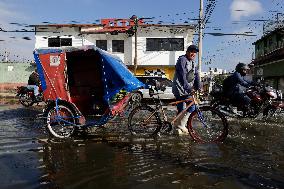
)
(115, 75)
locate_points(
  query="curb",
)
(8, 98)
(8, 95)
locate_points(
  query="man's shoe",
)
(184, 129)
(181, 126)
(178, 132)
(181, 131)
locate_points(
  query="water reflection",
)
(168, 162)
(251, 157)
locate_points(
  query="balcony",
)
(274, 55)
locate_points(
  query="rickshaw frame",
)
(116, 84)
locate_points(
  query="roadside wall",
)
(13, 75)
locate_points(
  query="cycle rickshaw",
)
(80, 83)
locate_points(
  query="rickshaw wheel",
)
(63, 124)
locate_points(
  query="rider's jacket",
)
(235, 84)
(34, 79)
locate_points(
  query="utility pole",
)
(6, 55)
(135, 19)
(200, 36)
(135, 55)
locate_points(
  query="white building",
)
(213, 71)
(158, 46)
(208, 78)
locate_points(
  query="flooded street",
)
(251, 157)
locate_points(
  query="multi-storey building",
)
(157, 46)
(269, 57)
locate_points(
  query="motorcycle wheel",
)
(25, 100)
(254, 112)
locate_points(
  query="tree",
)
(218, 79)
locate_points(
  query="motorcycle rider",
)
(34, 83)
(234, 87)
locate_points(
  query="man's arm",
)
(242, 81)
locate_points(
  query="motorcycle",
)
(262, 101)
(276, 107)
(27, 97)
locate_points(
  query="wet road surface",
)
(251, 157)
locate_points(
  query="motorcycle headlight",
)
(279, 94)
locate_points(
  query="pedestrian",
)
(186, 81)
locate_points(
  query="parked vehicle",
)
(262, 101)
(149, 82)
(26, 96)
(83, 87)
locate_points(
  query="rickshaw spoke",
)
(61, 121)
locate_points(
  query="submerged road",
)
(251, 157)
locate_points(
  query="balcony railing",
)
(269, 50)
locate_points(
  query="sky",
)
(223, 17)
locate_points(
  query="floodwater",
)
(251, 157)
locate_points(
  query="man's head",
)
(191, 52)
(35, 72)
(242, 68)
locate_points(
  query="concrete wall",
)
(145, 58)
(169, 58)
(42, 35)
(273, 73)
(15, 72)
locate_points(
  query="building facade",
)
(158, 46)
(269, 58)
(212, 77)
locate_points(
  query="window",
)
(265, 46)
(279, 39)
(164, 44)
(102, 44)
(53, 42)
(118, 46)
(65, 41)
(59, 42)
